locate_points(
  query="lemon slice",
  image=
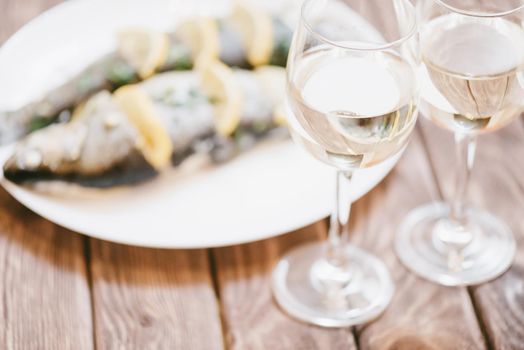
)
(145, 50)
(273, 81)
(155, 143)
(79, 111)
(279, 115)
(256, 27)
(220, 85)
(202, 37)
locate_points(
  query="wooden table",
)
(61, 290)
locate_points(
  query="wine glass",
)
(352, 96)
(472, 82)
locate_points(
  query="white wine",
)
(471, 76)
(352, 111)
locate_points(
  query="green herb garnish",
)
(120, 74)
(40, 122)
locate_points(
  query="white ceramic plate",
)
(271, 190)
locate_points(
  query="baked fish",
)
(136, 132)
(247, 38)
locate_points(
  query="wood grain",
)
(251, 319)
(497, 184)
(15, 13)
(422, 315)
(43, 285)
(153, 299)
(45, 294)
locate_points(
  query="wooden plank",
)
(251, 318)
(45, 294)
(497, 184)
(15, 13)
(144, 298)
(153, 299)
(422, 315)
(45, 301)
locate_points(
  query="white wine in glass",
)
(472, 94)
(357, 111)
(353, 98)
(472, 82)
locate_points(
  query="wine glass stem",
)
(338, 230)
(465, 148)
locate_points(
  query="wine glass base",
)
(486, 257)
(363, 298)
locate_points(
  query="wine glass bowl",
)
(472, 66)
(352, 93)
(353, 97)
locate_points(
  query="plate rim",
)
(13, 189)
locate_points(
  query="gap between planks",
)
(216, 289)
(496, 184)
(252, 318)
(422, 314)
(89, 276)
(441, 196)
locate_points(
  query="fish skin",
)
(103, 142)
(106, 74)
(100, 142)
